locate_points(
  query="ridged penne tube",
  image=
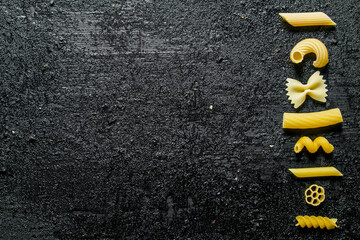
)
(316, 172)
(313, 146)
(315, 222)
(310, 45)
(315, 88)
(307, 19)
(312, 120)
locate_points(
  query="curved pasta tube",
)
(313, 146)
(312, 120)
(310, 45)
(314, 195)
(316, 172)
(315, 222)
(315, 88)
(307, 19)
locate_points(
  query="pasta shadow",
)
(308, 28)
(333, 128)
(313, 156)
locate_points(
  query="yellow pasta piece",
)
(316, 172)
(315, 88)
(314, 195)
(310, 45)
(307, 19)
(311, 146)
(315, 222)
(312, 119)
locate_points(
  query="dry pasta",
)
(315, 88)
(315, 222)
(312, 119)
(310, 45)
(313, 146)
(314, 195)
(307, 19)
(316, 172)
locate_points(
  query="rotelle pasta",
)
(314, 195)
(316, 172)
(312, 119)
(310, 45)
(307, 19)
(315, 222)
(313, 146)
(315, 88)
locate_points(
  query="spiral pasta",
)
(307, 19)
(313, 146)
(316, 172)
(315, 88)
(315, 222)
(314, 195)
(310, 45)
(312, 120)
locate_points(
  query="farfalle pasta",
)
(315, 88)
(312, 120)
(310, 45)
(307, 19)
(313, 146)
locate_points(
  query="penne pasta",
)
(312, 120)
(307, 19)
(310, 45)
(316, 172)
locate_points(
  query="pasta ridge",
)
(312, 119)
(310, 45)
(315, 222)
(315, 88)
(307, 19)
(313, 146)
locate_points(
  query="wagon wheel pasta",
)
(307, 19)
(315, 88)
(310, 45)
(313, 146)
(312, 120)
(314, 195)
(316, 172)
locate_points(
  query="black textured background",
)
(106, 129)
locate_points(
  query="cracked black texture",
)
(162, 119)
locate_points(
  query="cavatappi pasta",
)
(307, 19)
(312, 120)
(314, 195)
(310, 45)
(315, 88)
(316, 172)
(313, 146)
(315, 222)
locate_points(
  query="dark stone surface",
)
(106, 130)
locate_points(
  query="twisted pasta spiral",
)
(313, 146)
(312, 221)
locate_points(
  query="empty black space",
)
(155, 119)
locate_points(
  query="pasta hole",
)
(297, 56)
(321, 198)
(315, 201)
(320, 190)
(308, 192)
(315, 195)
(309, 199)
(313, 188)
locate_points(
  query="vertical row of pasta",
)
(316, 89)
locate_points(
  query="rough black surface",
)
(106, 129)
